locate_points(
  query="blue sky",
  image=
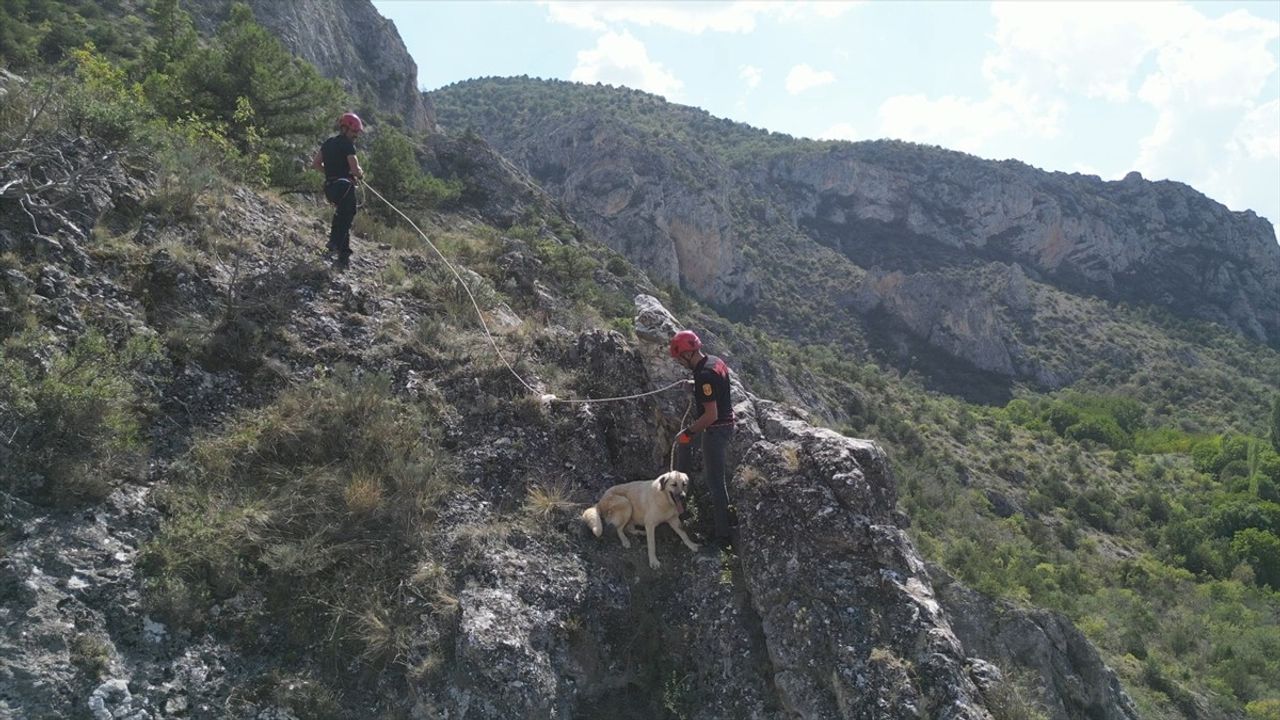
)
(1188, 91)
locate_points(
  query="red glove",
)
(684, 438)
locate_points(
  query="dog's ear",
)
(662, 481)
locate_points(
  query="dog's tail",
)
(591, 516)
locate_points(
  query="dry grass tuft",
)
(547, 500)
(363, 494)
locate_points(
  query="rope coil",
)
(546, 397)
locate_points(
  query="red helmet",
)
(351, 121)
(683, 342)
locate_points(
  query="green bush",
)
(1261, 549)
(71, 419)
(1230, 517)
(395, 172)
(36, 32)
(320, 499)
(1108, 420)
(1275, 424)
(1103, 430)
(1163, 441)
(190, 161)
(1268, 709)
(102, 103)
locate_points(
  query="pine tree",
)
(244, 84)
(175, 36)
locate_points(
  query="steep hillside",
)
(843, 240)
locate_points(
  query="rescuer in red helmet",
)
(714, 424)
(336, 158)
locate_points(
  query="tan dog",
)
(644, 502)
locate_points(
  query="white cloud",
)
(959, 123)
(1204, 77)
(839, 131)
(1214, 129)
(750, 74)
(1214, 63)
(620, 59)
(690, 17)
(802, 77)
(1258, 134)
(1092, 49)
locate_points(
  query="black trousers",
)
(342, 193)
(715, 449)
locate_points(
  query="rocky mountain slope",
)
(944, 252)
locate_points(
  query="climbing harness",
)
(352, 186)
(545, 397)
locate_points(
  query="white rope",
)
(675, 442)
(545, 396)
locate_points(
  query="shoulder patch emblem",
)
(706, 389)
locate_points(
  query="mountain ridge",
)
(873, 201)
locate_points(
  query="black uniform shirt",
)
(335, 152)
(711, 382)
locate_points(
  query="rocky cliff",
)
(1161, 243)
(348, 41)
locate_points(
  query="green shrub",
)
(71, 422)
(395, 172)
(1275, 423)
(1103, 430)
(1019, 412)
(190, 160)
(102, 103)
(1062, 416)
(1268, 709)
(1261, 549)
(320, 500)
(91, 654)
(1162, 441)
(246, 85)
(1232, 516)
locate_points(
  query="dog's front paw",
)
(695, 547)
(654, 564)
(626, 543)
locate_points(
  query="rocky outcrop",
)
(848, 614)
(843, 612)
(1074, 681)
(345, 40)
(498, 190)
